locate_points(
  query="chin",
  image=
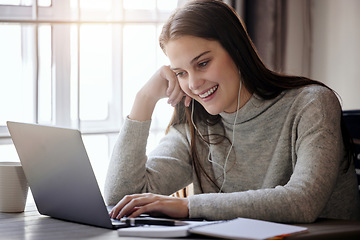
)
(213, 111)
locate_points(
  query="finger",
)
(157, 204)
(187, 101)
(174, 91)
(177, 99)
(133, 205)
(164, 206)
(176, 95)
(148, 208)
(125, 200)
(115, 211)
(170, 76)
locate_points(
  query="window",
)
(75, 63)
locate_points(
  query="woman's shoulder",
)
(312, 90)
(314, 94)
(315, 101)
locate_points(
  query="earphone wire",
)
(232, 142)
(233, 137)
(201, 136)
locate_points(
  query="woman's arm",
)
(130, 170)
(166, 169)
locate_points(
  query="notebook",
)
(60, 175)
(238, 228)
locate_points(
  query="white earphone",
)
(232, 141)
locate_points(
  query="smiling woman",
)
(255, 143)
(206, 73)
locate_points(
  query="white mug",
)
(13, 187)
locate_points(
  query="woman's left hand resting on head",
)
(153, 204)
(163, 84)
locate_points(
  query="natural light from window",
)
(81, 74)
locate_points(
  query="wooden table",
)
(30, 225)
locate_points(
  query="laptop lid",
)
(59, 173)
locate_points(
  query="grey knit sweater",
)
(287, 163)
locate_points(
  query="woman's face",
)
(205, 72)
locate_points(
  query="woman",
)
(254, 143)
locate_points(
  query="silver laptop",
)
(59, 174)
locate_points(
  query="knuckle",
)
(135, 201)
(149, 194)
(127, 197)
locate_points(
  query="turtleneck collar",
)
(254, 107)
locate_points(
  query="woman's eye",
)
(180, 74)
(203, 64)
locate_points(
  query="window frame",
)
(61, 17)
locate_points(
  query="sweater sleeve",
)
(164, 171)
(317, 151)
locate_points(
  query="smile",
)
(209, 92)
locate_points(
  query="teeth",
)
(208, 93)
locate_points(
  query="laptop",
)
(60, 175)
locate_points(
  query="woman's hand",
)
(162, 84)
(153, 204)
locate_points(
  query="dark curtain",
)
(265, 21)
(281, 32)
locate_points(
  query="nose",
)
(195, 82)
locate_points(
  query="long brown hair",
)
(215, 20)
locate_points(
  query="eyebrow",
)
(194, 59)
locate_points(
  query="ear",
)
(187, 101)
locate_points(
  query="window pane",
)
(44, 3)
(95, 71)
(97, 148)
(139, 60)
(8, 153)
(167, 5)
(140, 4)
(41, 3)
(45, 83)
(10, 2)
(74, 88)
(15, 92)
(95, 4)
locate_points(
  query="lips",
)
(209, 92)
